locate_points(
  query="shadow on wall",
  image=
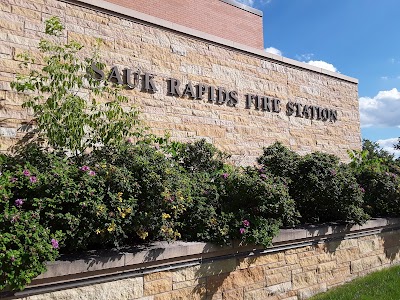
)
(231, 277)
(391, 243)
(337, 259)
(334, 230)
(30, 135)
(214, 277)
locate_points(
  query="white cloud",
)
(246, 2)
(323, 65)
(254, 3)
(381, 110)
(305, 56)
(384, 77)
(273, 51)
(388, 146)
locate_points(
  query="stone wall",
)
(301, 263)
(136, 41)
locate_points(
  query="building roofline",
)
(135, 15)
(244, 7)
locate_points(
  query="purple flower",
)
(362, 189)
(26, 172)
(333, 172)
(19, 202)
(92, 173)
(14, 179)
(242, 230)
(263, 176)
(14, 219)
(12, 258)
(84, 168)
(225, 175)
(33, 179)
(246, 223)
(54, 243)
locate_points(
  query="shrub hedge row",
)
(137, 193)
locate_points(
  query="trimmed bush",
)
(378, 175)
(381, 192)
(324, 190)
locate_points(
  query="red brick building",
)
(226, 19)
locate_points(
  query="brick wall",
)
(211, 16)
(128, 43)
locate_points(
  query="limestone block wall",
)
(301, 263)
(139, 42)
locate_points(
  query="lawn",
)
(381, 285)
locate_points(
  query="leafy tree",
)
(397, 146)
(374, 150)
(73, 110)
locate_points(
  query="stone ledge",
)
(310, 232)
(160, 254)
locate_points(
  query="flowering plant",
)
(25, 244)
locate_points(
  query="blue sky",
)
(358, 38)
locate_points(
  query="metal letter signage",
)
(216, 95)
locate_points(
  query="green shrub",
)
(323, 190)
(379, 179)
(260, 203)
(203, 218)
(25, 247)
(89, 203)
(201, 156)
(25, 243)
(381, 192)
(279, 160)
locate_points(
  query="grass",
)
(381, 285)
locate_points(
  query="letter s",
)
(289, 108)
(233, 99)
(99, 74)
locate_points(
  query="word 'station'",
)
(217, 95)
(311, 112)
